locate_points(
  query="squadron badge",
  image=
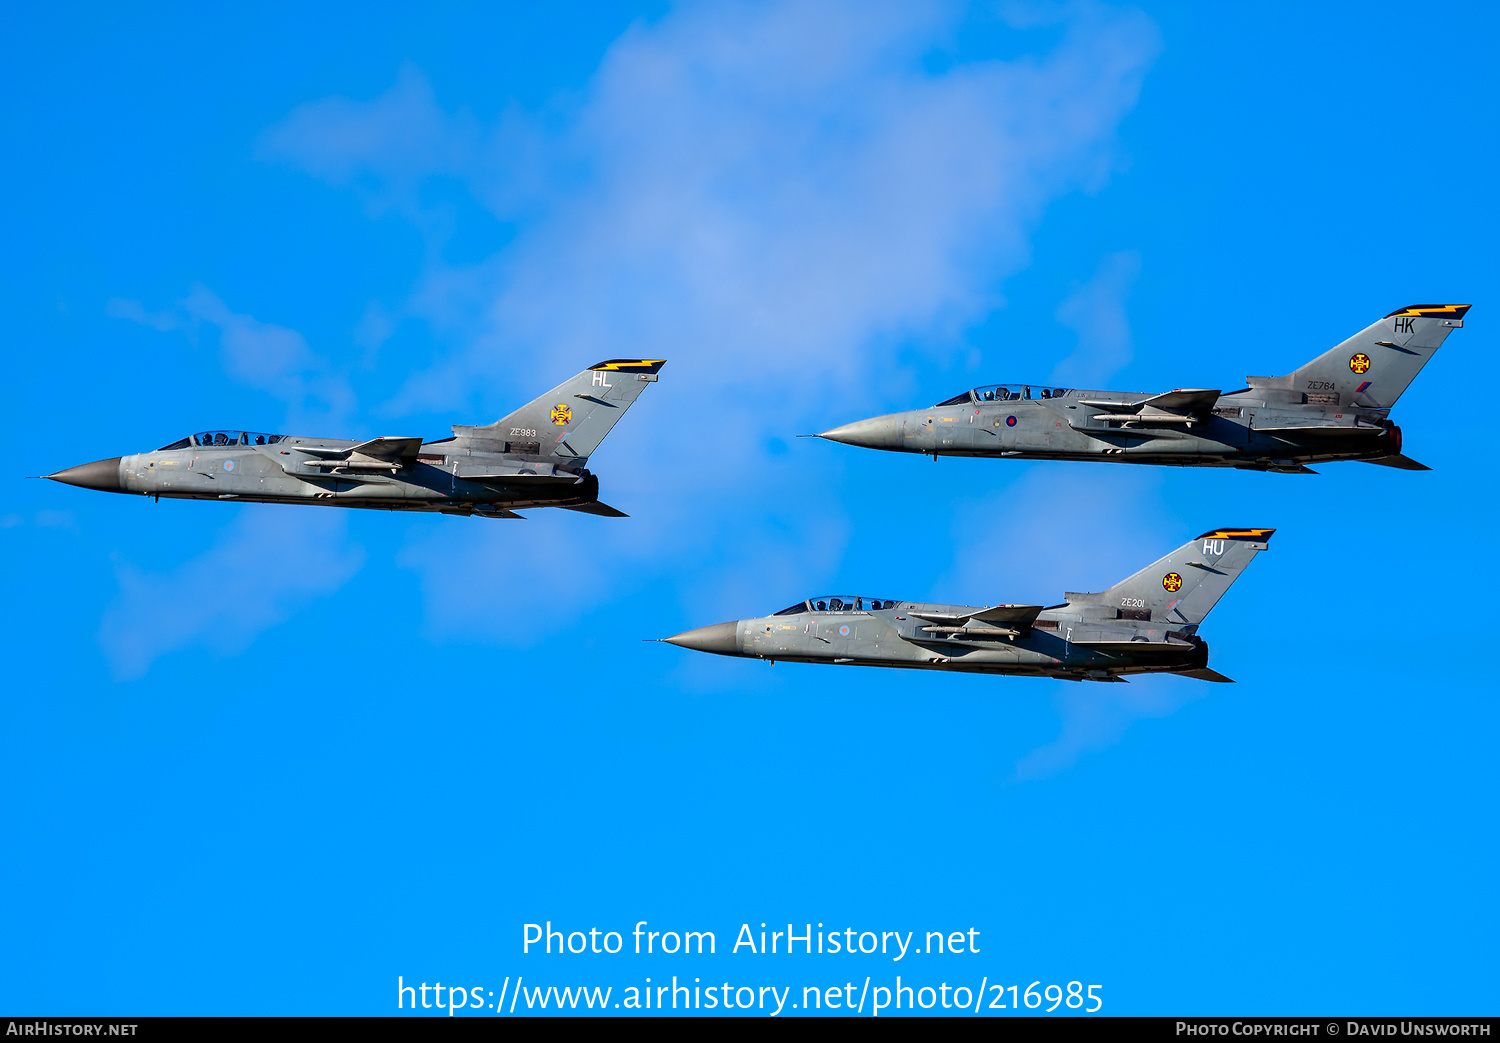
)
(1172, 582)
(1359, 363)
(562, 415)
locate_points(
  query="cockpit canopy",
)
(222, 439)
(838, 604)
(1005, 393)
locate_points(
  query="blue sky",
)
(263, 760)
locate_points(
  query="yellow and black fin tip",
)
(1254, 535)
(1432, 311)
(631, 365)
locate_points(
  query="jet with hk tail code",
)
(1336, 407)
(1147, 623)
(535, 457)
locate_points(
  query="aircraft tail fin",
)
(1372, 368)
(571, 420)
(1183, 587)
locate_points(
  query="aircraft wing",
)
(1187, 400)
(1019, 616)
(382, 448)
(1191, 401)
(941, 617)
(1114, 405)
(387, 447)
(1184, 406)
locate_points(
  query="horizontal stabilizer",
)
(1203, 673)
(603, 510)
(1405, 463)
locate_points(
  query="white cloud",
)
(162, 322)
(57, 520)
(256, 354)
(393, 142)
(770, 194)
(1096, 312)
(1095, 715)
(267, 564)
(1060, 527)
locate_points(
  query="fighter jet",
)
(535, 457)
(1336, 407)
(1147, 624)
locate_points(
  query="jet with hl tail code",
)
(535, 457)
(1336, 407)
(1145, 624)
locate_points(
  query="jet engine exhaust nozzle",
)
(103, 475)
(721, 639)
(881, 432)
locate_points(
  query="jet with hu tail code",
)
(1145, 624)
(1336, 407)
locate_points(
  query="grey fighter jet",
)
(1334, 408)
(1147, 624)
(535, 457)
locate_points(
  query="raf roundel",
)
(1172, 582)
(229, 465)
(1359, 363)
(562, 414)
(1010, 421)
(844, 630)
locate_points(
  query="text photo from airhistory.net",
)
(754, 508)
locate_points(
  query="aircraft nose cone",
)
(881, 432)
(721, 639)
(103, 475)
